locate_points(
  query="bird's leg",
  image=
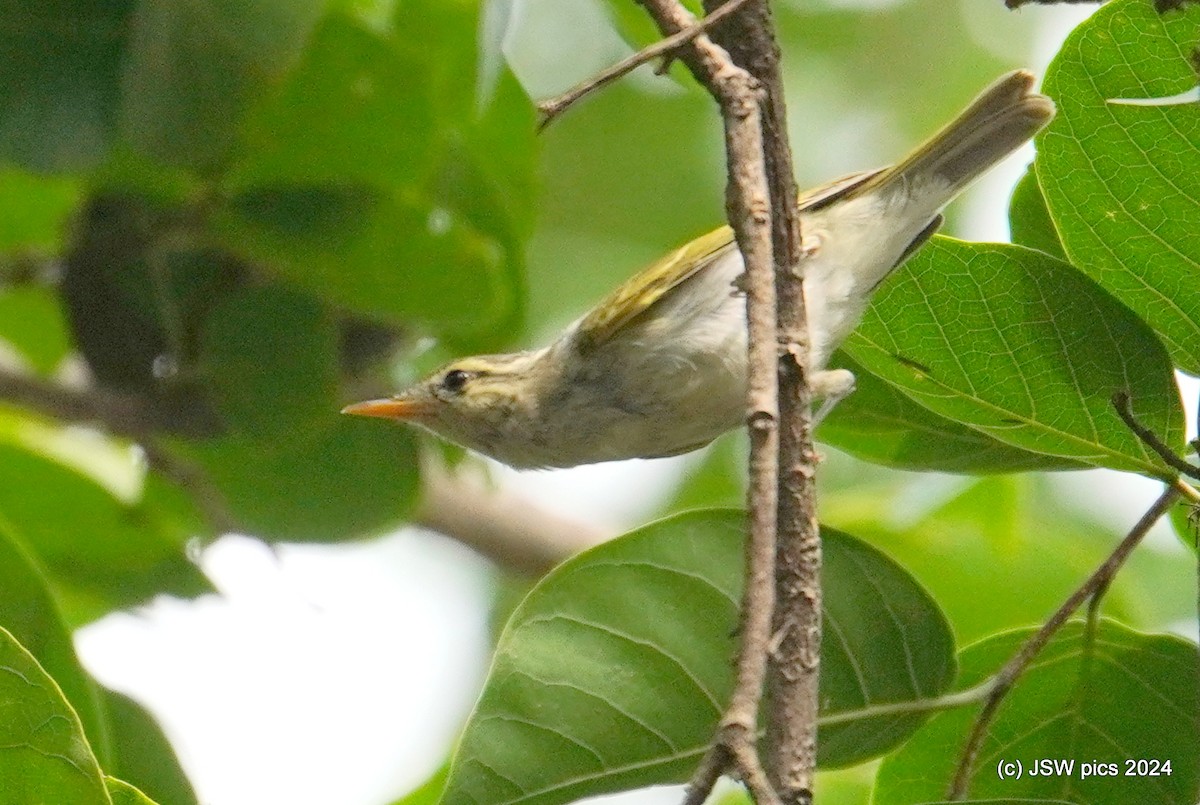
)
(831, 386)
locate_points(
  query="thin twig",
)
(1016, 666)
(552, 108)
(1120, 401)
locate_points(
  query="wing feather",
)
(642, 291)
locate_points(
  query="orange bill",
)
(391, 408)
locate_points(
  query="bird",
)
(659, 367)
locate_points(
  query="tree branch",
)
(512, 532)
(794, 668)
(552, 108)
(760, 204)
(123, 414)
(1015, 667)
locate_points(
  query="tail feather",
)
(1000, 120)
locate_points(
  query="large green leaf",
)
(356, 109)
(34, 210)
(337, 481)
(122, 793)
(143, 755)
(1023, 348)
(878, 423)
(271, 354)
(1123, 182)
(28, 611)
(613, 671)
(103, 552)
(1029, 219)
(31, 320)
(370, 252)
(59, 75)
(1127, 697)
(194, 68)
(1024, 543)
(44, 756)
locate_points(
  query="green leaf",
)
(107, 553)
(636, 26)
(878, 423)
(30, 614)
(194, 68)
(337, 482)
(1107, 703)
(1021, 540)
(428, 792)
(1004, 801)
(381, 257)
(1123, 182)
(35, 211)
(31, 320)
(143, 755)
(1031, 223)
(59, 69)
(44, 756)
(613, 671)
(134, 303)
(123, 793)
(357, 109)
(271, 354)
(1023, 348)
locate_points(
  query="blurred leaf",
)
(1022, 544)
(135, 306)
(347, 479)
(878, 423)
(1003, 801)
(123, 793)
(356, 110)
(31, 320)
(488, 160)
(1183, 517)
(380, 257)
(194, 68)
(271, 355)
(429, 792)
(636, 26)
(719, 479)
(143, 754)
(1023, 348)
(1030, 220)
(112, 554)
(1104, 703)
(1123, 182)
(44, 756)
(617, 664)
(34, 210)
(29, 613)
(59, 64)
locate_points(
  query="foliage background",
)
(341, 182)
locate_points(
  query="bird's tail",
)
(1004, 116)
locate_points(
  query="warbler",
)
(659, 367)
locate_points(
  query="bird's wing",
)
(643, 290)
(640, 292)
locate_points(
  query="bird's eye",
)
(454, 380)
